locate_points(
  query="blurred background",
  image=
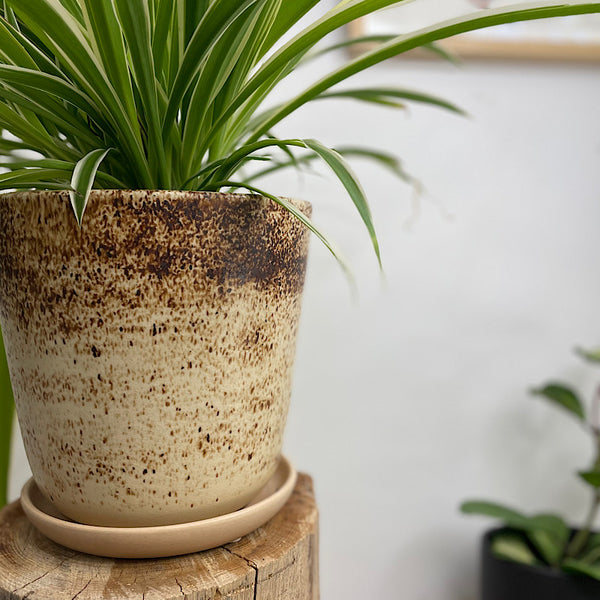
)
(415, 396)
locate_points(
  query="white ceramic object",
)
(165, 540)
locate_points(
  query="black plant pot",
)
(507, 580)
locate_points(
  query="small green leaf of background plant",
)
(591, 552)
(83, 180)
(578, 567)
(577, 551)
(512, 547)
(551, 524)
(550, 549)
(593, 541)
(562, 395)
(591, 477)
(548, 533)
(507, 515)
(592, 355)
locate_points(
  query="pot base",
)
(162, 541)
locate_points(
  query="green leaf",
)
(563, 396)
(591, 477)
(64, 35)
(74, 8)
(552, 524)
(29, 81)
(8, 146)
(224, 58)
(266, 14)
(46, 165)
(289, 14)
(343, 172)
(12, 49)
(277, 66)
(216, 20)
(578, 567)
(83, 180)
(33, 135)
(223, 168)
(50, 110)
(389, 95)
(297, 163)
(384, 159)
(355, 41)
(514, 548)
(9, 14)
(592, 549)
(592, 355)
(105, 30)
(135, 23)
(9, 34)
(507, 515)
(160, 35)
(547, 532)
(399, 45)
(194, 12)
(442, 53)
(550, 535)
(233, 128)
(6, 419)
(32, 178)
(550, 549)
(594, 541)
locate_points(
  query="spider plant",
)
(174, 94)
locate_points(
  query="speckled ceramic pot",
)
(151, 350)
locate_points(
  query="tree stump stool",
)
(277, 561)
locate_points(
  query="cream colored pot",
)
(151, 350)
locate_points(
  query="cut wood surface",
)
(279, 561)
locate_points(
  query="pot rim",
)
(229, 197)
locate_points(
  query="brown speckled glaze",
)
(150, 351)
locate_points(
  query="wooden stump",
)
(279, 561)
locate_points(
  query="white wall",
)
(415, 398)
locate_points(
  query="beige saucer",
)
(167, 540)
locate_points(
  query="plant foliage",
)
(175, 90)
(545, 539)
(174, 94)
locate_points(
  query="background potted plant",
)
(540, 556)
(134, 95)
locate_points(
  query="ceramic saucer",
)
(162, 541)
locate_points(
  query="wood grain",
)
(278, 561)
